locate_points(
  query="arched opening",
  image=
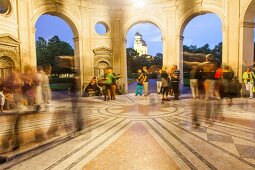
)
(201, 35)
(248, 37)
(144, 47)
(57, 49)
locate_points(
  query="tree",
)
(158, 60)
(47, 51)
(41, 50)
(132, 55)
(217, 52)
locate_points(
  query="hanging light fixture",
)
(138, 3)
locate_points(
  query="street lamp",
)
(138, 3)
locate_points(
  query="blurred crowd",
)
(30, 88)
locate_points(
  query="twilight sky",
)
(199, 31)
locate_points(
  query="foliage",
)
(135, 62)
(216, 51)
(46, 51)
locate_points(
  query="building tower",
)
(140, 45)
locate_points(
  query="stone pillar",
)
(117, 41)
(124, 66)
(33, 47)
(119, 47)
(86, 53)
(232, 30)
(246, 46)
(25, 34)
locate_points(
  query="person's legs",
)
(137, 90)
(140, 90)
(146, 88)
(176, 89)
(196, 88)
(192, 87)
(113, 91)
(159, 86)
(250, 89)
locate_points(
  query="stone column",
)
(86, 53)
(25, 33)
(246, 46)
(117, 42)
(232, 27)
(33, 47)
(119, 46)
(124, 66)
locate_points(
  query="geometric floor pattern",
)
(138, 133)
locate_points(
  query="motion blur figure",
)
(76, 110)
(195, 117)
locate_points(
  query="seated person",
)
(92, 89)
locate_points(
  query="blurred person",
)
(139, 79)
(2, 100)
(226, 88)
(110, 77)
(208, 70)
(14, 83)
(145, 81)
(37, 80)
(200, 83)
(9, 103)
(29, 86)
(236, 87)
(175, 78)
(194, 82)
(75, 96)
(218, 81)
(45, 84)
(195, 118)
(159, 81)
(165, 85)
(248, 78)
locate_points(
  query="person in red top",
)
(218, 84)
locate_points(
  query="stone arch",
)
(128, 25)
(62, 13)
(187, 17)
(247, 11)
(143, 19)
(69, 18)
(190, 14)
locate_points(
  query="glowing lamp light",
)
(138, 3)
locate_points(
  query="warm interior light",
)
(138, 3)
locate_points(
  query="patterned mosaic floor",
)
(134, 133)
